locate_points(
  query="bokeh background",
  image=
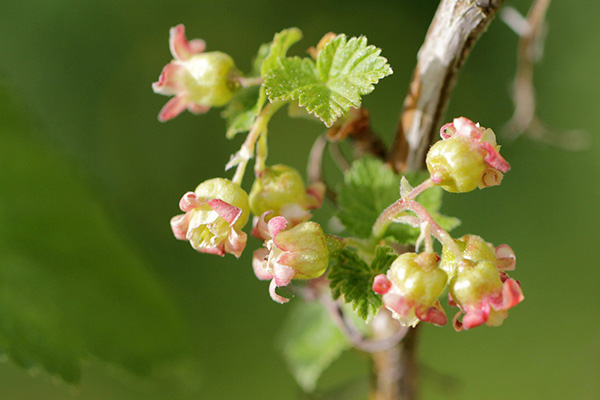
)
(89, 180)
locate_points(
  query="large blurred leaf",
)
(311, 341)
(71, 286)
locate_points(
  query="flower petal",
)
(225, 210)
(189, 201)
(283, 274)
(236, 242)
(259, 262)
(179, 225)
(180, 47)
(467, 128)
(173, 108)
(276, 225)
(435, 315)
(494, 159)
(171, 80)
(506, 258)
(260, 228)
(274, 295)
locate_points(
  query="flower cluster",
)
(478, 284)
(293, 246)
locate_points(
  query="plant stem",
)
(394, 369)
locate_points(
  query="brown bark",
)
(454, 30)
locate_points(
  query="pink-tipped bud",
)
(467, 157)
(411, 289)
(381, 284)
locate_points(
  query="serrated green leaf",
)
(370, 187)
(310, 341)
(344, 71)
(71, 287)
(279, 47)
(352, 278)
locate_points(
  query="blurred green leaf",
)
(352, 278)
(71, 286)
(242, 110)
(310, 341)
(345, 70)
(370, 187)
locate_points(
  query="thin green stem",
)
(259, 128)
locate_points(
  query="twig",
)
(380, 344)
(454, 30)
(315, 167)
(532, 31)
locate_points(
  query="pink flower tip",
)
(381, 284)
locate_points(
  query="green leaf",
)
(71, 285)
(344, 71)
(246, 104)
(242, 110)
(352, 278)
(310, 341)
(370, 187)
(279, 47)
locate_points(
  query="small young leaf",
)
(370, 187)
(246, 104)
(310, 342)
(344, 71)
(279, 47)
(353, 278)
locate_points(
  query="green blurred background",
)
(89, 180)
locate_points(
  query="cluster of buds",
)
(197, 80)
(294, 247)
(467, 157)
(478, 283)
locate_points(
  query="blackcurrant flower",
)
(214, 215)
(467, 157)
(198, 80)
(298, 252)
(411, 289)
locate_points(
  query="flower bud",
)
(299, 252)
(198, 80)
(214, 215)
(467, 157)
(280, 189)
(412, 287)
